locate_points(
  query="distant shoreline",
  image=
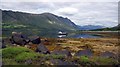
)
(103, 33)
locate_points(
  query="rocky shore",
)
(34, 50)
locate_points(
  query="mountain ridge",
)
(90, 27)
(115, 28)
(19, 21)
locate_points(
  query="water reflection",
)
(61, 36)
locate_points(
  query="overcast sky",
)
(81, 13)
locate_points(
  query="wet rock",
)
(35, 39)
(107, 54)
(62, 52)
(42, 49)
(86, 52)
(18, 38)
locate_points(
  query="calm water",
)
(71, 36)
(82, 36)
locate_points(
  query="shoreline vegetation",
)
(65, 51)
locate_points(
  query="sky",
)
(81, 13)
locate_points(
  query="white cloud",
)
(67, 11)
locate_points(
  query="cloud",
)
(81, 13)
(67, 11)
(59, 0)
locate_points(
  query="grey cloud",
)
(82, 13)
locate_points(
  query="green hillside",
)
(34, 23)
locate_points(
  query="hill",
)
(34, 23)
(116, 28)
(90, 27)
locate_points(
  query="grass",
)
(9, 55)
(9, 62)
(104, 61)
(95, 60)
(12, 52)
(18, 55)
(84, 59)
(26, 56)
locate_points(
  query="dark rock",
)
(7, 41)
(3, 44)
(29, 61)
(62, 52)
(86, 52)
(107, 54)
(61, 62)
(35, 39)
(42, 49)
(56, 61)
(18, 38)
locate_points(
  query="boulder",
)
(42, 49)
(107, 54)
(86, 52)
(62, 52)
(18, 38)
(35, 39)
